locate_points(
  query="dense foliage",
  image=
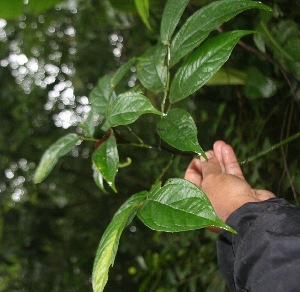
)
(51, 58)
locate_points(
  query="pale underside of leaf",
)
(108, 245)
(49, 159)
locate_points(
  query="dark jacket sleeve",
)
(264, 255)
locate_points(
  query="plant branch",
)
(88, 139)
(274, 147)
(165, 169)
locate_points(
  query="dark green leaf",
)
(179, 206)
(121, 72)
(209, 18)
(98, 178)
(171, 16)
(151, 69)
(11, 9)
(60, 148)
(142, 7)
(203, 64)
(127, 108)
(109, 243)
(100, 96)
(106, 160)
(178, 129)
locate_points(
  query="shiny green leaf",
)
(106, 160)
(109, 243)
(151, 69)
(142, 7)
(100, 96)
(121, 72)
(171, 16)
(178, 129)
(127, 108)
(203, 64)
(98, 178)
(49, 159)
(88, 125)
(207, 19)
(179, 206)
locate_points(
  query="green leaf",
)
(179, 206)
(49, 159)
(109, 243)
(200, 24)
(98, 178)
(121, 72)
(142, 7)
(88, 125)
(228, 76)
(100, 96)
(151, 69)
(203, 64)
(11, 9)
(127, 108)
(178, 129)
(106, 160)
(171, 16)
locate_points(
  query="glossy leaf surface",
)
(100, 96)
(106, 160)
(49, 159)
(142, 7)
(88, 125)
(127, 108)
(121, 72)
(98, 178)
(207, 19)
(171, 16)
(179, 206)
(179, 130)
(151, 69)
(203, 64)
(109, 243)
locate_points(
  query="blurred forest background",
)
(52, 53)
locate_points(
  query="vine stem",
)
(88, 139)
(165, 169)
(274, 147)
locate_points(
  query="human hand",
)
(222, 180)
